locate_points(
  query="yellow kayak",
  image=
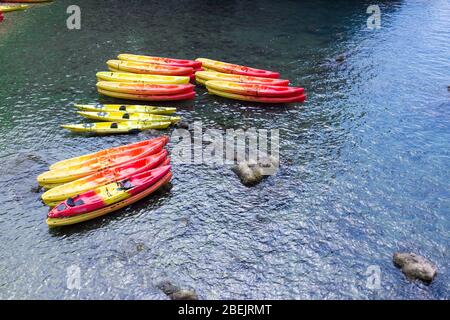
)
(126, 108)
(105, 152)
(141, 78)
(146, 97)
(200, 80)
(148, 68)
(125, 116)
(202, 76)
(9, 8)
(115, 127)
(59, 222)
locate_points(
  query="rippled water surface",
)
(364, 162)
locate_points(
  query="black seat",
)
(126, 116)
(114, 125)
(123, 108)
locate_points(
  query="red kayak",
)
(145, 88)
(161, 60)
(236, 69)
(228, 95)
(257, 90)
(108, 194)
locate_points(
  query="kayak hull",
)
(203, 76)
(71, 189)
(141, 97)
(141, 78)
(300, 98)
(108, 194)
(126, 108)
(125, 116)
(148, 68)
(60, 222)
(110, 151)
(160, 60)
(236, 69)
(115, 127)
(145, 88)
(258, 90)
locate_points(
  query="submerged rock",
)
(415, 266)
(252, 172)
(340, 58)
(175, 293)
(183, 125)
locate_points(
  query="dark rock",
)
(448, 88)
(36, 189)
(183, 125)
(140, 247)
(340, 58)
(184, 295)
(415, 266)
(175, 293)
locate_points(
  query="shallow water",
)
(364, 162)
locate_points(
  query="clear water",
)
(364, 162)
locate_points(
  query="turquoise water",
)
(364, 162)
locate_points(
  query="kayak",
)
(257, 90)
(60, 222)
(126, 108)
(54, 196)
(146, 97)
(145, 88)
(299, 98)
(108, 194)
(7, 8)
(141, 78)
(213, 75)
(160, 60)
(236, 69)
(148, 68)
(125, 116)
(110, 151)
(115, 127)
(76, 171)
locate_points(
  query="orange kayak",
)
(145, 88)
(228, 95)
(258, 90)
(110, 151)
(148, 68)
(237, 69)
(148, 97)
(202, 76)
(53, 196)
(76, 171)
(160, 60)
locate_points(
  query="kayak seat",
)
(114, 125)
(71, 202)
(125, 185)
(126, 116)
(123, 108)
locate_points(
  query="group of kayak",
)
(88, 186)
(148, 78)
(247, 84)
(118, 118)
